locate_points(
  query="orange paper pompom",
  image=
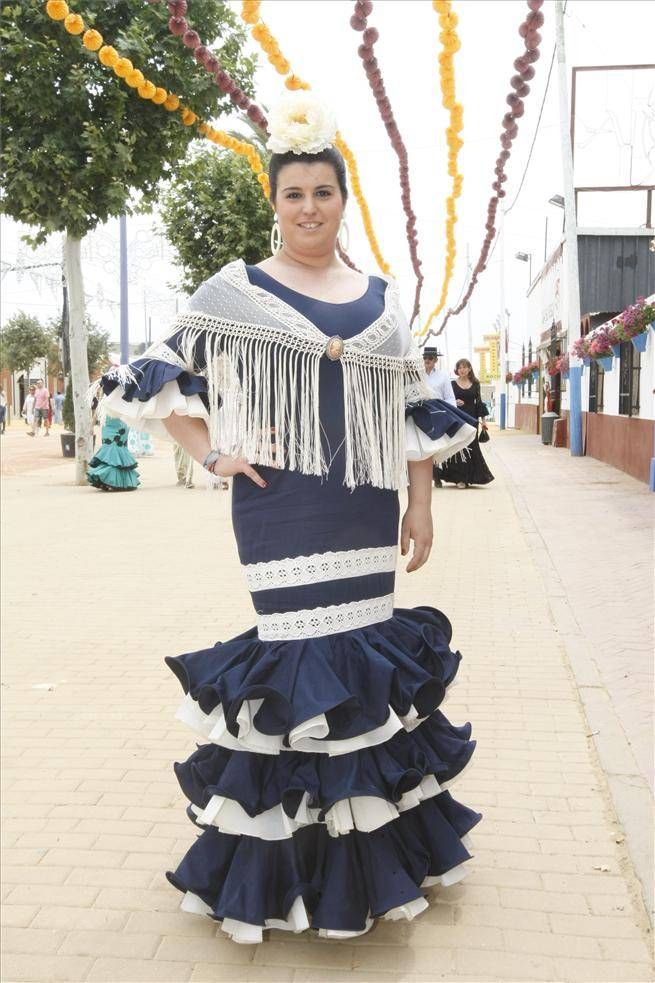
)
(146, 90)
(134, 78)
(56, 9)
(74, 24)
(122, 67)
(92, 40)
(108, 55)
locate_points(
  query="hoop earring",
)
(276, 238)
(343, 238)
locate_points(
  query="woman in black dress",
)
(469, 467)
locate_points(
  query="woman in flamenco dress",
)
(113, 468)
(469, 468)
(321, 797)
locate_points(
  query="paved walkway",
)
(98, 588)
(590, 529)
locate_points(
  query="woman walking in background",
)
(470, 467)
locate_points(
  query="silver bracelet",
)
(211, 459)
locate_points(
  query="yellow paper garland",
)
(450, 44)
(124, 69)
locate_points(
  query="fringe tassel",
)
(263, 396)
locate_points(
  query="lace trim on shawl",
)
(371, 338)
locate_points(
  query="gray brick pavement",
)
(93, 813)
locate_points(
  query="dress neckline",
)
(367, 339)
(316, 300)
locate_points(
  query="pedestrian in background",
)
(183, 466)
(439, 383)
(58, 400)
(438, 380)
(469, 467)
(42, 407)
(3, 410)
(27, 411)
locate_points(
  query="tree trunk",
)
(78, 356)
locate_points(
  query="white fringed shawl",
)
(262, 371)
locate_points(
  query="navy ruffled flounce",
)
(151, 376)
(408, 658)
(387, 771)
(435, 417)
(343, 882)
(320, 835)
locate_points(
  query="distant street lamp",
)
(525, 258)
(558, 202)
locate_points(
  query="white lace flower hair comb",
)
(302, 124)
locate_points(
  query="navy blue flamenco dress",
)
(322, 794)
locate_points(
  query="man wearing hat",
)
(438, 381)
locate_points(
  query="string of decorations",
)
(251, 14)
(450, 43)
(529, 31)
(124, 69)
(179, 26)
(366, 51)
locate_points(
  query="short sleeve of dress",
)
(164, 381)
(433, 428)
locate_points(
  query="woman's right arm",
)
(192, 434)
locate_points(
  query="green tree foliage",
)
(215, 212)
(23, 340)
(97, 349)
(76, 139)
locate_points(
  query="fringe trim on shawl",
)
(263, 394)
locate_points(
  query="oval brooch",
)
(334, 348)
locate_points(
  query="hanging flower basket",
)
(640, 341)
(616, 350)
(607, 362)
(586, 361)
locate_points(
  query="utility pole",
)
(572, 300)
(502, 385)
(125, 330)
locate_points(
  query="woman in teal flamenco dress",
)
(113, 468)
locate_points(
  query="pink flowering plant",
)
(563, 363)
(601, 341)
(580, 348)
(634, 320)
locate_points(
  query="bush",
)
(67, 411)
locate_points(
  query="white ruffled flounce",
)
(309, 736)
(147, 416)
(298, 918)
(419, 446)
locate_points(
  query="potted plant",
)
(509, 377)
(563, 365)
(580, 349)
(534, 368)
(634, 321)
(600, 346)
(552, 365)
